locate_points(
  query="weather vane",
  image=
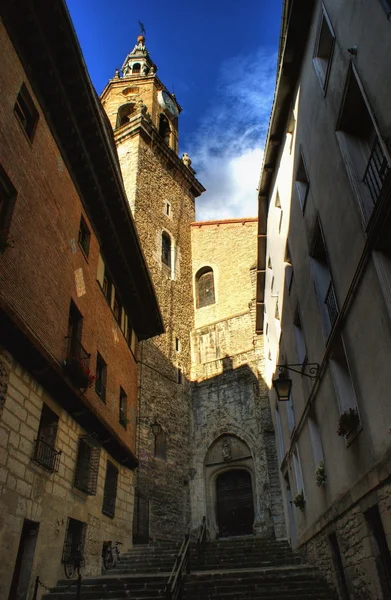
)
(143, 32)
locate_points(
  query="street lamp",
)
(156, 428)
(283, 384)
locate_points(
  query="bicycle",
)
(73, 563)
(110, 554)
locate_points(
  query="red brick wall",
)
(37, 275)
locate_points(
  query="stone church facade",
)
(202, 380)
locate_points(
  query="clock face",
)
(168, 103)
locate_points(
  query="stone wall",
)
(28, 491)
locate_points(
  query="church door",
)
(234, 505)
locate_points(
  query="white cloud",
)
(227, 149)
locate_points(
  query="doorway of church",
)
(234, 503)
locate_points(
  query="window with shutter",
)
(110, 490)
(87, 465)
(205, 290)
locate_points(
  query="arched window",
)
(136, 68)
(166, 249)
(124, 113)
(205, 287)
(164, 128)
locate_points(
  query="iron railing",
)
(376, 171)
(331, 305)
(174, 586)
(77, 363)
(46, 456)
(201, 537)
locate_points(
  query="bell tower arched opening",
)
(124, 113)
(164, 129)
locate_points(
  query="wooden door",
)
(235, 504)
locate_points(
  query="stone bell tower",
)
(161, 190)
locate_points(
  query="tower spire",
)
(138, 62)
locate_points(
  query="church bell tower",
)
(161, 190)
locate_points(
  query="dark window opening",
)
(164, 128)
(205, 290)
(179, 375)
(84, 236)
(288, 268)
(123, 408)
(107, 286)
(45, 453)
(166, 249)
(100, 377)
(87, 465)
(160, 445)
(7, 203)
(75, 536)
(26, 112)
(136, 68)
(302, 183)
(110, 490)
(117, 308)
(124, 114)
(324, 51)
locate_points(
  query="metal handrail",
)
(201, 537)
(174, 584)
(46, 455)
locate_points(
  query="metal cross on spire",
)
(142, 28)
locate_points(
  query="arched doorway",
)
(234, 503)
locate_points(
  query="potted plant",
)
(320, 474)
(299, 501)
(5, 241)
(79, 372)
(348, 421)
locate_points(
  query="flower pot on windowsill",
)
(5, 241)
(299, 501)
(348, 422)
(320, 474)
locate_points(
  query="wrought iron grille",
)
(331, 304)
(87, 465)
(46, 456)
(376, 171)
(75, 537)
(110, 490)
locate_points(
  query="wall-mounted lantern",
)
(283, 384)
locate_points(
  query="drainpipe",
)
(386, 4)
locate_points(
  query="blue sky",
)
(220, 58)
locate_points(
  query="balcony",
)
(77, 365)
(46, 456)
(376, 171)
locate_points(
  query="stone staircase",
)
(252, 568)
(231, 569)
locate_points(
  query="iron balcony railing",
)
(331, 305)
(376, 171)
(46, 456)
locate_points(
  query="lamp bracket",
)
(305, 369)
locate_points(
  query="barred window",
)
(45, 453)
(110, 490)
(166, 249)
(87, 465)
(75, 536)
(205, 289)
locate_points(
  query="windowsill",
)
(350, 437)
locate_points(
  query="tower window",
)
(124, 113)
(164, 128)
(161, 445)
(205, 289)
(26, 112)
(136, 68)
(166, 249)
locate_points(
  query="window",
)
(110, 490)
(164, 128)
(179, 375)
(177, 345)
(45, 453)
(75, 536)
(316, 441)
(123, 408)
(100, 377)
(298, 472)
(167, 209)
(107, 286)
(160, 445)
(342, 378)
(280, 438)
(288, 268)
(124, 114)
(365, 156)
(324, 50)
(84, 237)
(280, 212)
(166, 249)
(136, 68)
(380, 548)
(25, 112)
(117, 307)
(290, 413)
(87, 465)
(205, 290)
(299, 337)
(277, 311)
(7, 201)
(338, 564)
(302, 183)
(327, 300)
